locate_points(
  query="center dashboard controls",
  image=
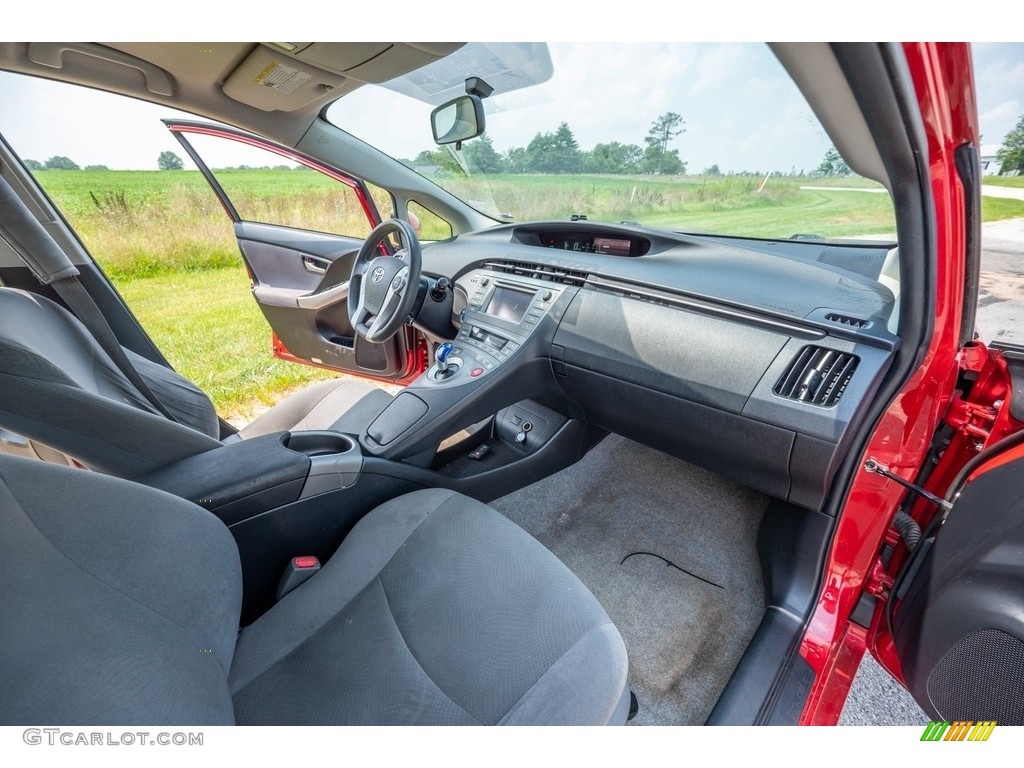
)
(501, 313)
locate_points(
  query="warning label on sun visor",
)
(282, 78)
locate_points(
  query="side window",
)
(148, 218)
(269, 188)
(431, 226)
(383, 200)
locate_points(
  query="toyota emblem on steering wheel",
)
(378, 274)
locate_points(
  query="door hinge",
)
(973, 357)
(879, 583)
(971, 419)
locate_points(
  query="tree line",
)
(558, 151)
(1011, 153)
(166, 161)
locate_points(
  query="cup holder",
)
(335, 460)
(319, 443)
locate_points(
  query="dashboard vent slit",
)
(817, 376)
(852, 322)
(539, 272)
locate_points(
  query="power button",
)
(476, 372)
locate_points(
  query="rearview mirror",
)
(458, 120)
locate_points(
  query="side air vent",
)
(539, 272)
(817, 376)
(852, 322)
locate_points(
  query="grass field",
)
(167, 244)
(1004, 181)
(210, 329)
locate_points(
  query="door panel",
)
(300, 283)
(959, 630)
(299, 276)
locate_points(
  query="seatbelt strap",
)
(71, 290)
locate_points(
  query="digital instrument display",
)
(509, 304)
(613, 246)
(582, 243)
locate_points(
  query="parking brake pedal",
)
(297, 573)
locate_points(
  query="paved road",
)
(991, 190)
(1001, 299)
(987, 190)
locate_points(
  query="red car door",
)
(299, 272)
(927, 566)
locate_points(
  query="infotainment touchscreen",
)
(509, 304)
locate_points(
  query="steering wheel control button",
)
(476, 372)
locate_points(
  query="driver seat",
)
(62, 389)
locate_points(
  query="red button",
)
(476, 372)
(306, 562)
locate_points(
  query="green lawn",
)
(996, 208)
(210, 329)
(1003, 181)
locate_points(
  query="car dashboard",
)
(750, 358)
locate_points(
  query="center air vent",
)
(539, 272)
(817, 376)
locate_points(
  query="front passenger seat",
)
(121, 607)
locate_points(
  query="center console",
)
(500, 356)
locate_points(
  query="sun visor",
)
(287, 76)
(271, 80)
(374, 62)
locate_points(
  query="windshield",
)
(695, 137)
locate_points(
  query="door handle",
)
(333, 295)
(315, 265)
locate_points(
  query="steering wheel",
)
(382, 289)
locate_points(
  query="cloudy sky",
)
(741, 111)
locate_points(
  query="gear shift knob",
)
(441, 357)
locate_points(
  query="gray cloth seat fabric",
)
(121, 607)
(62, 389)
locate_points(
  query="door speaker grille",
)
(981, 678)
